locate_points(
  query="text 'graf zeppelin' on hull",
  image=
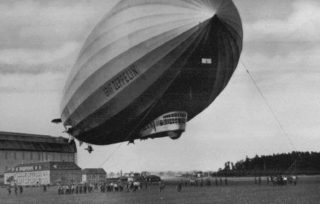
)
(149, 67)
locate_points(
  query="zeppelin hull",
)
(178, 56)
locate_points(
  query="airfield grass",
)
(235, 192)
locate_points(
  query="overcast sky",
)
(40, 40)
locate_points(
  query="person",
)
(80, 189)
(102, 188)
(161, 186)
(127, 186)
(90, 188)
(9, 190)
(280, 180)
(294, 180)
(65, 187)
(21, 189)
(285, 180)
(201, 183)
(179, 187)
(44, 188)
(15, 189)
(208, 182)
(131, 186)
(73, 189)
(85, 188)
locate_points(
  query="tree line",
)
(307, 163)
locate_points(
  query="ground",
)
(306, 192)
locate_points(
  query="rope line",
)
(111, 155)
(268, 105)
(294, 164)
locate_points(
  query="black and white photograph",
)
(159, 101)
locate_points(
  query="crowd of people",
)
(278, 180)
(133, 186)
(218, 181)
(17, 189)
(103, 187)
(283, 180)
(114, 187)
(75, 189)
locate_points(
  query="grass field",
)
(306, 192)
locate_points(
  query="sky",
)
(40, 41)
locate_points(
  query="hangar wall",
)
(20, 148)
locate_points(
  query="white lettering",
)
(120, 81)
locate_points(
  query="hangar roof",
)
(94, 171)
(32, 142)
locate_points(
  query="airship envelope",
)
(149, 67)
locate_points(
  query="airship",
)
(149, 67)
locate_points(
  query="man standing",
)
(161, 186)
(15, 189)
(21, 189)
(9, 190)
(179, 187)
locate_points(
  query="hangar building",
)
(44, 173)
(18, 148)
(94, 176)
